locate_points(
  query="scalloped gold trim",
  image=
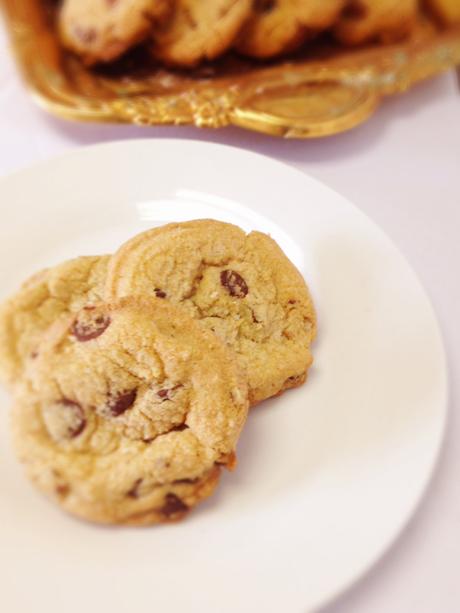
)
(305, 98)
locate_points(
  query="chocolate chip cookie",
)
(101, 30)
(199, 30)
(130, 411)
(242, 287)
(279, 26)
(386, 21)
(40, 301)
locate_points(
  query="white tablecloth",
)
(403, 170)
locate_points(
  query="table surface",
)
(402, 169)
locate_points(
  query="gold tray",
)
(323, 90)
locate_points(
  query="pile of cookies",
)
(185, 32)
(132, 374)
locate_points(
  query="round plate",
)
(328, 474)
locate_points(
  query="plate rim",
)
(443, 418)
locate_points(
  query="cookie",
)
(279, 26)
(447, 11)
(130, 412)
(242, 287)
(199, 30)
(102, 30)
(41, 300)
(385, 21)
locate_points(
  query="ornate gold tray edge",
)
(296, 99)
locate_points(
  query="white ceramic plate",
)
(328, 474)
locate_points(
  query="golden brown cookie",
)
(42, 299)
(242, 287)
(447, 11)
(199, 30)
(130, 411)
(386, 21)
(279, 26)
(101, 30)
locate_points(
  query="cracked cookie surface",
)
(130, 411)
(43, 298)
(386, 21)
(280, 26)
(101, 30)
(199, 30)
(242, 287)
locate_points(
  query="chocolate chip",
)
(62, 490)
(63, 419)
(159, 293)
(265, 6)
(355, 10)
(294, 381)
(122, 402)
(165, 394)
(179, 428)
(134, 491)
(34, 355)
(173, 504)
(75, 418)
(85, 331)
(234, 283)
